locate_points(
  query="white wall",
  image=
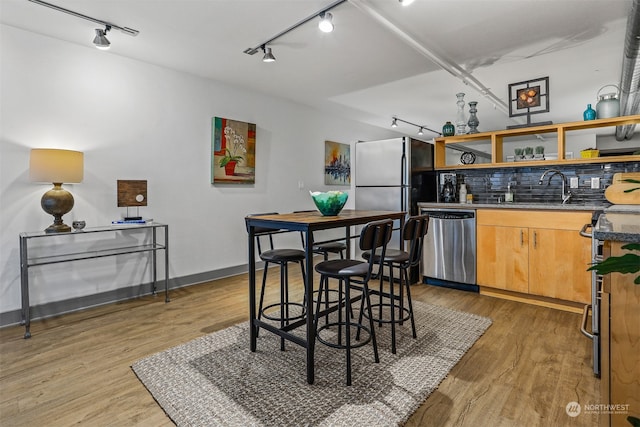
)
(138, 121)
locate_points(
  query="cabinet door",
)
(503, 257)
(558, 262)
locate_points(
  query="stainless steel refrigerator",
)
(394, 174)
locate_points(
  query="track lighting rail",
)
(260, 46)
(420, 127)
(126, 30)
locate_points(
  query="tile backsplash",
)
(487, 185)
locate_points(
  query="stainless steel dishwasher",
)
(449, 252)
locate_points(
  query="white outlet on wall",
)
(573, 182)
(300, 185)
(595, 182)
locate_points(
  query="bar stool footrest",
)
(282, 318)
(398, 319)
(355, 343)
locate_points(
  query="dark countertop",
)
(618, 224)
(519, 205)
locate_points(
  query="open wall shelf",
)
(495, 140)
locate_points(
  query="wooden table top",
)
(314, 219)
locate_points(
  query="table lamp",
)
(57, 167)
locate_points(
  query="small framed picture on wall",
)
(337, 163)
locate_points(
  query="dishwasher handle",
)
(451, 214)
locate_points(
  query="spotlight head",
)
(420, 131)
(100, 40)
(325, 24)
(394, 123)
(268, 56)
(405, 2)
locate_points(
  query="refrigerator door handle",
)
(405, 179)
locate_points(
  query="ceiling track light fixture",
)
(405, 2)
(100, 40)
(268, 56)
(421, 128)
(325, 22)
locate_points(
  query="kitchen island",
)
(620, 321)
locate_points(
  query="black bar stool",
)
(282, 257)
(353, 274)
(413, 232)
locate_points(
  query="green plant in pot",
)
(229, 157)
(628, 263)
(528, 152)
(237, 144)
(518, 152)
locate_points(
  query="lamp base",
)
(57, 202)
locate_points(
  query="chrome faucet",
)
(565, 196)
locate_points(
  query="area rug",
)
(215, 380)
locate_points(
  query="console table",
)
(27, 261)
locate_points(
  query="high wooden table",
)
(307, 223)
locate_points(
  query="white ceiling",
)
(379, 61)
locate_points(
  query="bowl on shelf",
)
(329, 203)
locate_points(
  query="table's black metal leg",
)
(166, 263)
(24, 288)
(253, 330)
(311, 332)
(154, 263)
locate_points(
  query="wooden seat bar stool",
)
(413, 232)
(353, 275)
(282, 257)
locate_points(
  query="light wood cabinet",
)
(496, 139)
(503, 257)
(534, 253)
(620, 337)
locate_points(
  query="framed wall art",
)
(233, 152)
(337, 163)
(527, 98)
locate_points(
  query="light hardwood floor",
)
(76, 368)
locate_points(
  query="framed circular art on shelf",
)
(467, 158)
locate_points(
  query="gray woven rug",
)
(216, 381)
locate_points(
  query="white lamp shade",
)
(56, 166)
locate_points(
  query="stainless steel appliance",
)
(596, 289)
(449, 254)
(394, 174)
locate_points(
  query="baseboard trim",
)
(571, 306)
(56, 308)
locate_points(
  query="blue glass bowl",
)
(329, 203)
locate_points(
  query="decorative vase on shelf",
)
(461, 121)
(448, 129)
(473, 119)
(589, 113)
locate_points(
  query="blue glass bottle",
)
(589, 113)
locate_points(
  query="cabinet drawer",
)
(558, 220)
